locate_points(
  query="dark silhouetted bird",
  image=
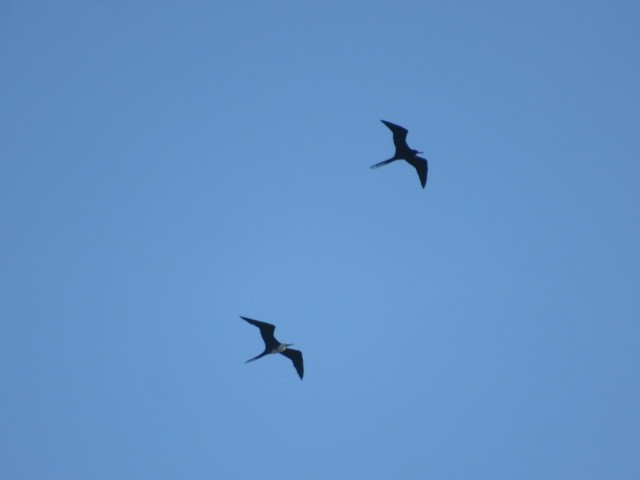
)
(271, 345)
(403, 152)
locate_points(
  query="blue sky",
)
(168, 166)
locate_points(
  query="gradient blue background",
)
(168, 166)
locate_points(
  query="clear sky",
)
(168, 166)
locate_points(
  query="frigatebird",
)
(271, 345)
(403, 152)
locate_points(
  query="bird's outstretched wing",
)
(296, 357)
(399, 135)
(422, 167)
(266, 329)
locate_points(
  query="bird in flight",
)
(271, 345)
(403, 152)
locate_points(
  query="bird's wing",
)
(422, 167)
(399, 135)
(296, 357)
(266, 329)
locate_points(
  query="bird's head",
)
(288, 344)
(416, 151)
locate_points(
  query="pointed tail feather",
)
(257, 357)
(383, 163)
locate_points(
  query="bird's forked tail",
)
(383, 163)
(257, 357)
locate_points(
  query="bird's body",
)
(271, 345)
(403, 152)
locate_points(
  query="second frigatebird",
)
(403, 152)
(271, 345)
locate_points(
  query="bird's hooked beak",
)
(288, 344)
